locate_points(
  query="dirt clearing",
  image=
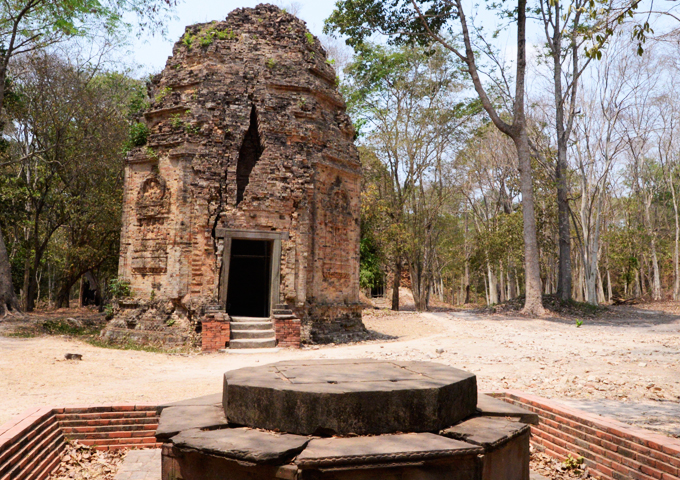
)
(630, 361)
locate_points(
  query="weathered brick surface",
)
(216, 332)
(611, 449)
(261, 71)
(287, 332)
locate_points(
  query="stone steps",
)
(252, 332)
(252, 325)
(254, 343)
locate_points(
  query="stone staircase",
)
(252, 332)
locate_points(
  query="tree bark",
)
(8, 299)
(533, 304)
(396, 282)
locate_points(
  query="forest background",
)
(442, 199)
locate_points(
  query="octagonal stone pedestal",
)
(345, 419)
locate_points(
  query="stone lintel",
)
(251, 234)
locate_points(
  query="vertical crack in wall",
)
(250, 153)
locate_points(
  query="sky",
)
(150, 53)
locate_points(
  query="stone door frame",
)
(274, 283)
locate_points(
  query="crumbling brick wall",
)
(247, 132)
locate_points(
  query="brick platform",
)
(611, 449)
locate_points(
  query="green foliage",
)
(192, 129)
(271, 63)
(161, 94)
(579, 323)
(137, 136)
(310, 38)
(572, 463)
(170, 322)
(176, 120)
(119, 288)
(370, 270)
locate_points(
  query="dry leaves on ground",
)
(80, 462)
(555, 470)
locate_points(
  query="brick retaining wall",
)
(611, 449)
(31, 444)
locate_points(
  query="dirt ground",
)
(625, 364)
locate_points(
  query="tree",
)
(409, 21)
(410, 105)
(31, 25)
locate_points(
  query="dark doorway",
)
(249, 278)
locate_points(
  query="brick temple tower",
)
(245, 196)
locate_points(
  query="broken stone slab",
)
(505, 442)
(395, 448)
(176, 419)
(213, 400)
(486, 432)
(339, 397)
(488, 406)
(245, 444)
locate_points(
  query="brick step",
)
(140, 442)
(255, 334)
(125, 446)
(253, 343)
(47, 429)
(249, 319)
(21, 464)
(110, 428)
(113, 434)
(252, 325)
(285, 317)
(105, 415)
(46, 467)
(286, 312)
(109, 421)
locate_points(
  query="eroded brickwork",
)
(247, 132)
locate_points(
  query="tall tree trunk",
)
(493, 285)
(396, 283)
(8, 299)
(676, 274)
(533, 304)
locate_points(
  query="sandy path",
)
(636, 359)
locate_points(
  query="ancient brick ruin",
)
(245, 197)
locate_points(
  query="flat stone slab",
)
(214, 400)
(405, 447)
(245, 444)
(176, 419)
(486, 432)
(339, 397)
(488, 406)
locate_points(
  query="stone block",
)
(505, 443)
(339, 397)
(244, 444)
(176, 419)
(488, 406)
